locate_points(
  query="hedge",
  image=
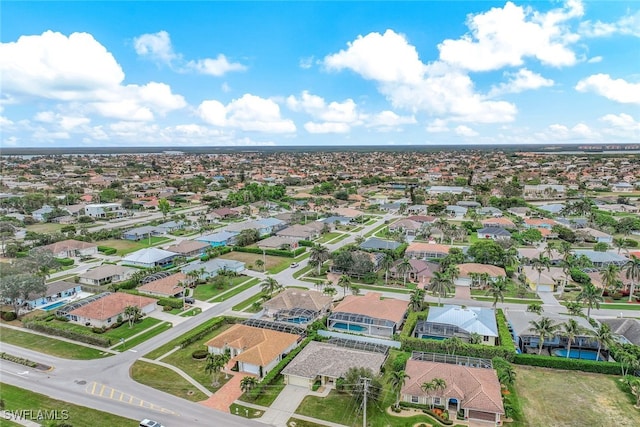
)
(171, 302)
(8, 316)
(554, 362)
(65, 261)
(107, 250)
(19, 360)
(471, 350)
(307, 243)
(504, 335)
(412, 320)
(273, 252)
(203, 330)
(273, 374)
(62, 331)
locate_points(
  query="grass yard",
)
(207, 291)
(49, 345)
(245, 411)
(125, 247)
(195, 368)
(268, 395)
(328, 236)
(247, 305)
(16, 398)
(45, 228)
(271, 262)
(570, 398)
(166, 380)
(125, 332)
(235, 291)
(193, 312)
(145, 336)
(375, 230)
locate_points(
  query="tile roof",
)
(298, 298)
(427, 247)
(259, 346)
(372, 305)
(187, 246)
(111, 305)
(68, 245)
(465, 270)
(169, 285)
(476, 388)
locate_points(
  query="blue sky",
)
(319, 73)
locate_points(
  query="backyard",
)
(125, 247)
(207, 291)
(273, 264)
(570, 398)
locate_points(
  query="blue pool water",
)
(54, 305)
(347, 327)
(429, 337)
(297, 320)
(576, 354)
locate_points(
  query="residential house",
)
(420, 250)
(598, 236)
(212, 267)
(166, 287)
(105, 275)
(271, 225)
(421, 271)
(71, 249)
(493, 233)
(332, 220)
(499, 222)
(297, 231)
(348, 212)
(445, 189)
(602, 259)
(545, 280)
(622, 187)
(544, 191)
(55, 292)
(221, 213)
(475, 274)
(170, 226)
(297, 306)
(150, 257)
(458, 321)
(374, 243)
(189, 248)
(475, 391)
(278, 242)
(625, 330)
(490, 211)
(222, 238)
(406, 226)
(253, 350)
(105, 210)
(141, 233)
(325, 363)
(539, 223)
(40, 215)
(458, 212)
(105, 310)
(368, 314)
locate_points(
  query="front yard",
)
(51, 346)
(125, 247)
(570, 398)
(273, 264)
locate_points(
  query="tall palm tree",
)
(132, 313)
(386, 263)
(603, 335)
(440, 284)
(319, 254)
(497, 289)
(609, 277)
(428, 387)
(439, 384)
(270, 285)
(345, 282)
(571, 329)
(633, 273)
(404, 268)
(398, 379)
(591, 297)
(539, 264)
(543, 328)
(248, 383)
(213, 366)
(417, 299)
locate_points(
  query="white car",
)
(294, 265)
(150, 423)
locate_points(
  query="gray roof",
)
(222, 236)
(319, 358)
(471, 319)
(553, 207)
(602, 257)
(520, 321)
(628, 328)
(214, 265)
(53, 289)
(142, 231)
(148, 256)
(496, 231)
(375, 243)
(105, 271)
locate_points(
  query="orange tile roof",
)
(427, 247)
(111, 305)
(471, 267)
(169, 285)
(372, 305)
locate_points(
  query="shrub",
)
(610, 368)
(107, 250)
(19, 360)
(171, 302)
(307, 243)
(400, 361)
(579, 276)
(65, 262)
(200, 354)
(273, 252)
(8, 316)
(204, 329)
(62, 330)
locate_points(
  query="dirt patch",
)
(250, 259)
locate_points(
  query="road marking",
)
(107, 392)
(102, 389)
(113, 390)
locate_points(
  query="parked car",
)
(294, 265)
(150, 423)
(189, 300)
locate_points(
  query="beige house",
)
(297, 305)
(105, 275)
(71, 249)
(170, 286)
(106, 310)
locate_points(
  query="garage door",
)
(251, 369)
(484, 416)
(544, 288)
(296, 380)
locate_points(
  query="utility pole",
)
(365, 390)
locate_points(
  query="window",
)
(414, 399)
(436, 401)
(485, 338)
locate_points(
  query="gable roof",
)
(471, 319)
(628, 328)
(169, 285)
(148, 256)
(111, 305)
(476, 388)
(466, 269)
(376, 243)
(259, 346)
(68, 245)
(298, 298)
(105, 271)
(187, 246)
(427, 247)
(372, 305)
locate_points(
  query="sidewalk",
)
(548, 298)
(284, 406)
(179, 372)
(8, 415)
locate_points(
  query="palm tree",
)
(270, 285)
(574, 308)
(428, 387)
(609, 277)
(440, 284)
(133, 313)
(452, 345)
(439, 385)
(417, 299)
(318, 255)
(535, 307)
(507, 375)
(329, 290)
(497, 288)
(591, 297)
(539, 264)
(345, 282)
(634, 386)
(603, 335)
(619, 243)
(543, 328)
(475, 338)
(213, 366)
(398, 379)
(260, 264)
(404, 268)
(633, 274)
(571, 329)
(248, 383)
(386, 263)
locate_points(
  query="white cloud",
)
(306, 63)
(463, 130)
(156, 47)
(436, 88)
(560, 132)
(505, 36)
(389, 119)
(437, 126)
(518, 82)
(618, 90)
(622, 121)
(159, 97)
(249, 113)
(594, 60)
(327, 127)
(627, 25)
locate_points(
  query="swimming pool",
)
(54, 305)
(348, 327)
(577, 354)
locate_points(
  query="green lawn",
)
(125, 247)
(16, 398)
(49, 345)
(327, 237)
(208, 291)
(245, 411)
(165, 379)
(268, 395)
(193, 312)
(375, 230)
(235, 291)
(44, 228)
(247, 304)
(509, 300)
(124, 331)
(194, 368)
(150, 333)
